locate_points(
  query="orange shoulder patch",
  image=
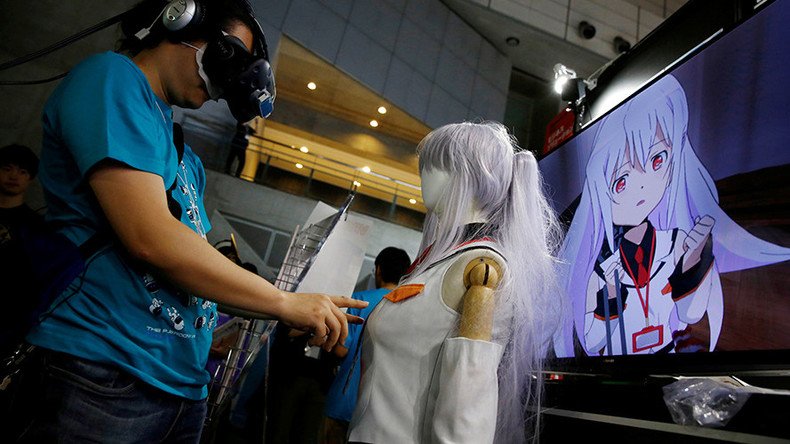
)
(404, 292)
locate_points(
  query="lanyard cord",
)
(646, 301)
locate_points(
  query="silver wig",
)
(491, 174)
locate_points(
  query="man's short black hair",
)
(393, 263)
(220, 14)
(21, 156)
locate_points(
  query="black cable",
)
(67, 41)
(32, 82)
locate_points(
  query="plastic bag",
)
(704, 402)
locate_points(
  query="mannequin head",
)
(466, 170)
(434, 182)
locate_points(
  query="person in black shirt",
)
(18, 168)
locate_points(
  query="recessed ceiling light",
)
(304, 149)
(299, 166)
(382, 110)
(357, 184)
(366, 169)
(374, 123)
(412, 201)
(312, 86)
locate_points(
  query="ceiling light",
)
(304, 149)
(366, 169)
(512, 41)
(382, 110)
(312, 86)
(357, 184)
(299, 166)
(374, 123)
(412, 201)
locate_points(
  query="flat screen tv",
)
(677, 204)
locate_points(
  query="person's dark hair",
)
(250, 267)
(220, 14)
(21, 156)
(229, 252)
(393, 263)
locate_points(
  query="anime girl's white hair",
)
(490, 174)
(691, 193)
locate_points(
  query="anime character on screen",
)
(648, 241)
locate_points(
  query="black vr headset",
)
(245, 80)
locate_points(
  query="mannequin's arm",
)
(477, 317)
(466, 405)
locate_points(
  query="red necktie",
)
(642, 276)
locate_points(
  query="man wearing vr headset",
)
(125, 346)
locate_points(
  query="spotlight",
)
(382, 110)
(374, 123)
(561, 76)
(365, 169)
(357, 184)
(512, 41)
(567, 85)
(586, 30)
(299, 166)
(304, 149)
(621, 45)
(412, 201)
(312, 86)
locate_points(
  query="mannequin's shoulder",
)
(453, 283)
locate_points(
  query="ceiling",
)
(539, 49)
(339, 95)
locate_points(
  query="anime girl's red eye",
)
(658, 160)
(619, 184)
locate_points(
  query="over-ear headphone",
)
(179, 15)
(246, 78)
(178, 18)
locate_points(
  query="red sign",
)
(559, 130)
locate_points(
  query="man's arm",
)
(136, 206)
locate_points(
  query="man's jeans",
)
(84, 401)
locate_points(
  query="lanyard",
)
(646, 301)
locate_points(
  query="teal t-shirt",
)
(116, 312)
(341, 398)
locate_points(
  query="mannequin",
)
(450, 355)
